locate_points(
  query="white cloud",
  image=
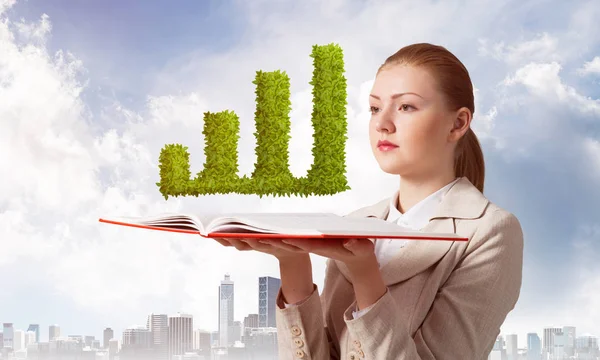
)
(590, 67)
(591, 147)
(543, 81)
(6, 4)
(35, 32)
(543, 47)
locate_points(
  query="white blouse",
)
(415, 218)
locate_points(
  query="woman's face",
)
(410, 124)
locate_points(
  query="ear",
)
(462, 123)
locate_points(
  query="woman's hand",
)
(273, 247)
(355, 253)
(359, 257)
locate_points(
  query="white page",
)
(324, 223)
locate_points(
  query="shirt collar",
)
(418, 216)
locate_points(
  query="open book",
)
(280, 226)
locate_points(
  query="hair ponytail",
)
(469, 161)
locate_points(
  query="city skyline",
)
(158, 320)
(165, 336)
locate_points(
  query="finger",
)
(256, 244)
(240, 245)
(359, 247)
(315, 244)
(330, 248)
(223, 241)
(275, 244)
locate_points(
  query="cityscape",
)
(173, 337)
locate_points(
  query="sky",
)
(90, 93)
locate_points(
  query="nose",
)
(385, 123)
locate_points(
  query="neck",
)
(413, 190)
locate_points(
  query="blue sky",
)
(87, 143)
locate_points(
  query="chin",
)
(392, 169)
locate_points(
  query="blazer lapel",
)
(418, 255)
(463, 201)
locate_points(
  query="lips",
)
(386, 143)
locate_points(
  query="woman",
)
(424, 299)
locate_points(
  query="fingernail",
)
(285, 241)
(349, 242)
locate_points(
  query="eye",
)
(374, 109)
(406, 107)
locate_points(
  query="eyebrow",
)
(395, 96)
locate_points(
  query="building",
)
(108, 335)
(261, 343)
(30, 338)
(268, 287)
(548, 340)
(202, 340)
(113, 348)
(53, 332)
(136, 344)
(534, 347)
(35, 328)
(498, 351)
(181, 334)
(570, 340)
(226, 296)
(89, 340)
(512, 350)
(8, 335)
(251, 321)
(236, 332)
(158, 325)
(19, 340)
(587, 347)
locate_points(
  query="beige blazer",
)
(445, 300)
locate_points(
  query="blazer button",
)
(356, 344)
(352, 356)
(360, 353)
(298, 342)
(299, 354)
(296, 330)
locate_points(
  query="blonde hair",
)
(454, 82)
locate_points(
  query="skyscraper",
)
(35, 328)
(159, 327)
(8, 333)
(548, 344)
(511, 347)
(181, 334)
(226, 293)
(267, 294)
(534, 347)
(53, 332)
(109, 334)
